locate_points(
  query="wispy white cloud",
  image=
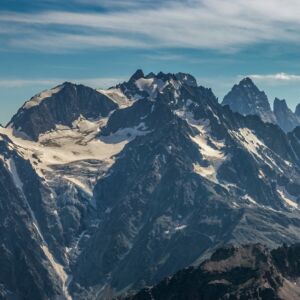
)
(64, 42)
(225, 25)
(283, 77)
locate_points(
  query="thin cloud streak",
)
(61, 42)
(283, 77)
(202, 24)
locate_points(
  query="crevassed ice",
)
(66, 145)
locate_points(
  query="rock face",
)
(297, 111)
(60, 106)
(286, 119)
(150, 178)
(25, 272)
(247, 99)
(245, 272)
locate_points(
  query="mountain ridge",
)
(245, 272)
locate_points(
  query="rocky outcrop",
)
(286, 119)
(244, 272)
(246, 99)
(297, 110)
(25, 272)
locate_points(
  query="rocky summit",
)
(246, 99)
(104, 192)
(244, 272)
(286, 119)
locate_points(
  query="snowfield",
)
(65, 146)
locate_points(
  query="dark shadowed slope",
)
(244, 272)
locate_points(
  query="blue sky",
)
(102, 42)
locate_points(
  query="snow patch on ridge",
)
(250, 141)
(249, 199)
(180, 227)
(81, 185)
(208, 172)
(73, 148)
(59, 270)
(116, 95)
(255, 146)
(151, 85)
(128, 134)
(289, 200)
(210, 149)
(68, 146)
(36, 100)
(11, 166)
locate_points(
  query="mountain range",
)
(104, 192)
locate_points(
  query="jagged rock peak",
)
(137, 75)
(187, 79)
(246, 99)
(279, 104)
(286, 119)
(248, 82)
(182, 77)
(141, 86)
(297, 110)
